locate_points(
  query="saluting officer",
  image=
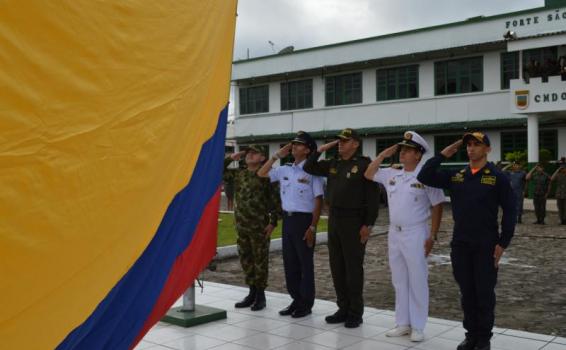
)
(301, 199)
(353, 202)
(410, 238)
(476, 193)
(255, 216)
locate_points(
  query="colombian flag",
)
(112, 126)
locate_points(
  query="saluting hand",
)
(268, 230)
(364, 234)
(284, 151)
(389, 152)
(452, 149)
(309, 238)
(237, 156)
(498, 252)
(328, 146)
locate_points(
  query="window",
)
(517, 141)
(344, 89)
(381, 144)
(509, 68)
(458, 76)
(254, 99)
(296, 95)
(513, 141)
(398, 83)
(548, 139)
(541, 55)
(442, 141)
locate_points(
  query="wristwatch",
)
(312, 228)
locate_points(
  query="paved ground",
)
(248, 330)
(531, 290)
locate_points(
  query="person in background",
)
(518, 179)
(541, 182)
(559, 178)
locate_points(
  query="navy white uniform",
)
(298, 192)
(410, 205)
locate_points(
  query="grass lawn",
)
(227, 230)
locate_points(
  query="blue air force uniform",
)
(298, 193)
(475, 200)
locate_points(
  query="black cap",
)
(306, 139)
(478, 136)
(348, 133)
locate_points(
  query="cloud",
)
(308, 23)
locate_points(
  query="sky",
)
(309, 23)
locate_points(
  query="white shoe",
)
(398, 331)
(417, 335)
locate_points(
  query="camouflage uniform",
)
(256, 205)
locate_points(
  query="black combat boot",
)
(259, 302)
(248, 300)
(468, 344)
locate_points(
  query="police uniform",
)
(298, 193)
(256, 206)
(409, 211)
(353, 202)
(475, 200)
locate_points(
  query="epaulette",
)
(397, 166)
(288, 164)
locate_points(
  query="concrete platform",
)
(262, 330)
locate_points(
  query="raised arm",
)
(282, 153)
(319, 168)
(373, 167)
(432, 175)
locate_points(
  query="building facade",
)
(499, 74)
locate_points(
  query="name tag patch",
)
(417, 185)
(488, 180)
(303, 180)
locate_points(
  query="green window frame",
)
(254, 99)
(296, 95)
(442, 141)
(512, 141)
(397, 83)
(343, 89)
(458, 76)
(518, 141)
(540, 55)
(509, 68)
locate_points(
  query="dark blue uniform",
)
(476, 199)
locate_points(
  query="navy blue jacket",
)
(475, 201)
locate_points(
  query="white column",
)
(532, 138)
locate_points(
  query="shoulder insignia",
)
(417, 185)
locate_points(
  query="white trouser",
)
(409, 274)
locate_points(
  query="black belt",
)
(295, 213)
(347, 212)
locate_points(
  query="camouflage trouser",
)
(253, 248)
